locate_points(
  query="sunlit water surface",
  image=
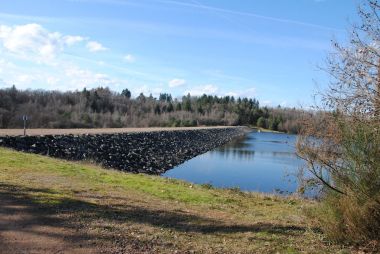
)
(264, 162)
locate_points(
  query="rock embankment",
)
(149, 152)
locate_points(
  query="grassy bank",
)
(106, 210)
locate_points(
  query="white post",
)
(24, 118)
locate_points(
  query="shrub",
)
(349, 167)
(341, 143)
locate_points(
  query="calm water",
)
(264, 162)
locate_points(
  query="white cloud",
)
(34, 41)
(71, 40)
(52, 80)
(177, 83)
(65, 76)
(266, 103)
(5, 65)
(234, 94)
(94, 46)
(129, 58)
(208, 89)
(3, 84)
(25, 78)
(146, 90)
(247, 93)
(284, 103)
(80, 78)
(250, 92)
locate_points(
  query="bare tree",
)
(341, 143)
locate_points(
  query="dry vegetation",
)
(102, 108)
(342, 142)
(50, 205)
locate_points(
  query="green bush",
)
(261, 122)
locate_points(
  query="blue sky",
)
(255, 48)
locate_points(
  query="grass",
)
(137, 213)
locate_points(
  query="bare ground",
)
(36, 132)
(53, 206)
(73, 226)
(28, 228)
(114, 224)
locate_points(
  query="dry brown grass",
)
(114, 212)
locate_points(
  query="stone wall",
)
(149, 152)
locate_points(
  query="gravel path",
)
(37, 132)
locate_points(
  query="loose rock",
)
(145, 152)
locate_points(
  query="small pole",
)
(24, 118)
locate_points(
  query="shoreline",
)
(53, 205)
(152, 152)
(266, 130)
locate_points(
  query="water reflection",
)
(233, 154)
(264, 162)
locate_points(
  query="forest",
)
(103, 108)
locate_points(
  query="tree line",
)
(103, 108)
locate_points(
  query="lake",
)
(260, 161)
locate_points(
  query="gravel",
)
(139, 152)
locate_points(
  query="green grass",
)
(183, 216)
(101, 179)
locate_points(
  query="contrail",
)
(197, 5)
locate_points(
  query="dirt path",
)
(26, 228)
(54, 206)
(36, 132)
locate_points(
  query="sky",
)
(268, 50)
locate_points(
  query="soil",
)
(26, 228)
